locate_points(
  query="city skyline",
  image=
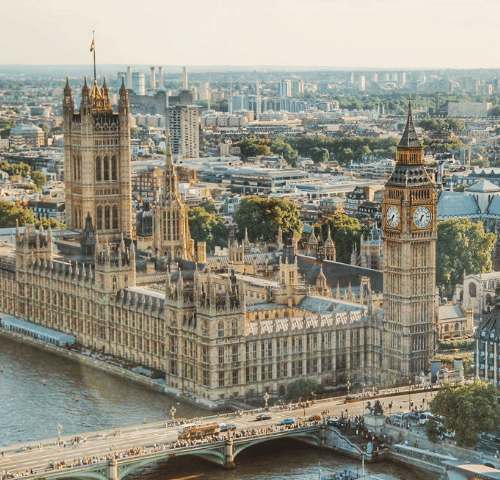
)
(336, 34)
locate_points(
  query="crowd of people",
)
(157, 447)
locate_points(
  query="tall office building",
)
(97, 162)
(409, 232)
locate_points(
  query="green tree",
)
(319, 155)
(468, 410)
(461, 188)
(209, 206)
(50, 222)
(462, 245)
(262, 217)
(10, 212)
(38, 178)
(302, 388)
(21, 168)
(346, 232)
(280, 147)
(207, 227)
(251, 147)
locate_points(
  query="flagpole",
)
(95, 74)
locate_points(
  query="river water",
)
(39, 391)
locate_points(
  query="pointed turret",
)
(123, 103)
(410, 138)
(68, 102)
(85, 103)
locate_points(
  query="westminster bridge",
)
(116, 453)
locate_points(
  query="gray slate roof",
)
(457, 205)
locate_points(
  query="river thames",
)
(39, 391)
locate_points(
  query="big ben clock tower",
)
(409, 232)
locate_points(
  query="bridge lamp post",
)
(266, 398)
(59, 431)
(173, 411)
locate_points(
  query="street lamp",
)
(409, 395)
(59, 430)
(266, 398)
(173, 410)
(348, 385)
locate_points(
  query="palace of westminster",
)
(220, 327)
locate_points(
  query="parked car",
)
(288, 421)
(263, 416)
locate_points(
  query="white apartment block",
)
(183, 126)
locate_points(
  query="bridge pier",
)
(113, 469)
(229, 455)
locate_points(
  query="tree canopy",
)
(10, 212)
(453, 124)
(38, 178)
(262, 217)
(462, 245)
(319, 155)
(207, 226)
(468, 410)
(302, 388)
(21, 168)
(346, 232)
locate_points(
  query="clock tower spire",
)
(409, 232)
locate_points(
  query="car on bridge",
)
(315, 418)
(335, 422)
(288, 421)
(225, 427)
(262, 416)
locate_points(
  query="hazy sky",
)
(334, 33)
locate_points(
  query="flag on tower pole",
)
(92, 49)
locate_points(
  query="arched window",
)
(220, 329)
(115, 217)
(456, 327)
(106, 169)
(98, 174)
(106, 218)
(446, 328)
(472, 290)
(99, 218)
(114, 171)
(234, 327)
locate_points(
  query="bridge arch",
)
(214, 456)
(94, 475)
(312, 438)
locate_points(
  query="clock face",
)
(393, 216)
(422, 217)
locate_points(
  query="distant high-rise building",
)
(184, 78)
(362, 83)
(182, 122)
(139, 83)
(204, 93)
(298, 87)
(285, 88)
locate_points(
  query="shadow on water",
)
(275, 460)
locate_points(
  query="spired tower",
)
(409, 232)
(172, 239)
(97, 162)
